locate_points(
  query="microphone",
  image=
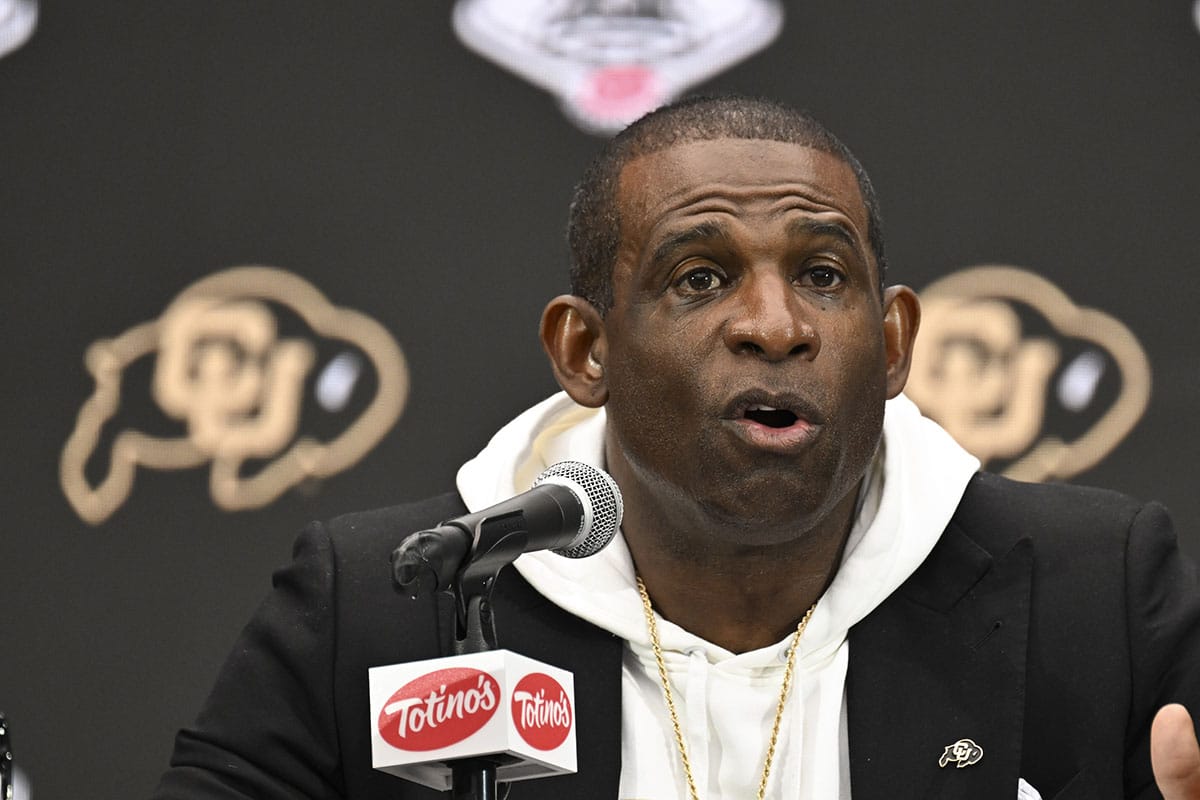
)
(486, 715)
(573, 509)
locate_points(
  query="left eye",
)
(823, 277)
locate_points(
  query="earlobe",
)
(901, 318)
(573, 337)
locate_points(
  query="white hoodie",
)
(727, 701)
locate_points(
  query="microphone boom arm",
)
(573, 509)
(441, 553)
(464, 557)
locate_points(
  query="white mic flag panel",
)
(497, 703)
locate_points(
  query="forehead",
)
(653, 186)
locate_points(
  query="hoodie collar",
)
(912, 491)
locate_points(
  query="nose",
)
(770, 321)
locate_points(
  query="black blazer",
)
(1047, 625)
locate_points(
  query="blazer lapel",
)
(940, 662)
(528, 623)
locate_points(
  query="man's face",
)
(745, 360)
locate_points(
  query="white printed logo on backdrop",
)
(610, 61)
(18, 18)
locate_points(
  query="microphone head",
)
(601, 500)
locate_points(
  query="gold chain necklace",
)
(666, 685)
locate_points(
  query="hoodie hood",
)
(726, 700)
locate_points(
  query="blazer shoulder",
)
(392, 522)
(989, 493)
(997, 512)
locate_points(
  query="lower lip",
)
(795, 437)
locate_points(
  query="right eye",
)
(699, 280)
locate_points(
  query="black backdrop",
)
(146, 144)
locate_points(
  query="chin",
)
(764, 524)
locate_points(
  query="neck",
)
(740, 597)
(741, 606)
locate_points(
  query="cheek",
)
(643, 390)
(859, 347)
(655, 396)
(860, 398)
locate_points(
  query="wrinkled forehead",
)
(745, 170)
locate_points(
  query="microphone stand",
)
(504, 537)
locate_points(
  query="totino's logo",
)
(1032, 384)
(541, 711)
(250, 370)
(439, 709)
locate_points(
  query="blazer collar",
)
(530, 624)
(941, 661)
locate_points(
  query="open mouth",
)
(770, 417)
(777, 422)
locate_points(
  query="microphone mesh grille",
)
(600, 490)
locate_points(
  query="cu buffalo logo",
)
(439, 709)
(1034, 385)
(251, 372)
(962, 753)
(541, 711)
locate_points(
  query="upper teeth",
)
(757, 407)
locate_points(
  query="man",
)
(812, 597)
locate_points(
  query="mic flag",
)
(497, 705)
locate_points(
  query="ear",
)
(573, 337)
(901, 318)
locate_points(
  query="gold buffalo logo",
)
(222, 368)
(1022, 377)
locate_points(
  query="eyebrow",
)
(809, 227)
(703, 232)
